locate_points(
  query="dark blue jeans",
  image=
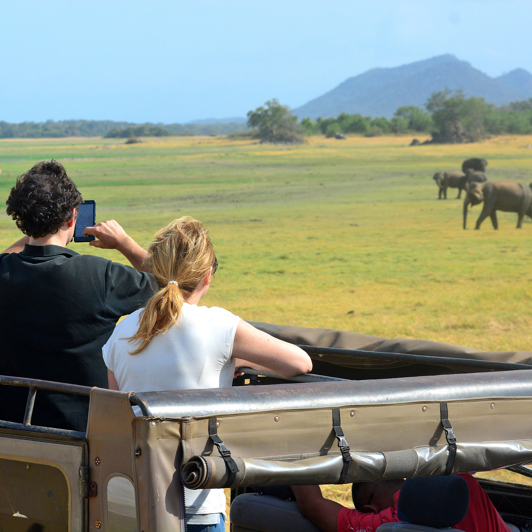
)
(220, 527)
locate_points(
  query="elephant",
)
(445, 180)
(479, 165)
(499, 196)
(473, 176)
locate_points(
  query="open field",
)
(340, 234)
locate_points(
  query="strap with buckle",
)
(449, 436)
(342, 444)
(225, 453)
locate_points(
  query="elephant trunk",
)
(466, 205)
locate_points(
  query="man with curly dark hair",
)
(59, 307)
(43, 199)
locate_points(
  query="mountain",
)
(518, 80)
(380, 91)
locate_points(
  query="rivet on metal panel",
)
(97, 460)
(276, 419)
(424, 408)
(492, 406)
(217, 424)
(152, 424)
(98, 524)
(352, 413)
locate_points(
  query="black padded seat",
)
(253, 512)
(430, 504)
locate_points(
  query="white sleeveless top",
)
(196, 354)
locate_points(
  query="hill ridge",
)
(381, 90)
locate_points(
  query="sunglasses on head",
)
(214, 265)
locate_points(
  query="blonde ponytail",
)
(180, 257)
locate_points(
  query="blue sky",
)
(176, 61)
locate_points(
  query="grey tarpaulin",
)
(350, 367)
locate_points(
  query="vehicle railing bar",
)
(307, 377)
(429, 360)
(33, 385)
(142, 404)
(75, 389)
(42, 430)
(30, 403)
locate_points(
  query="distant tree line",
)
(111, 129)
(448, 117)
(64, 128)
(144, 130)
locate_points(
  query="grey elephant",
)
(499, 196)
(473, 176)
(479, 165)
(446, 180)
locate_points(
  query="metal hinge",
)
(87, 488)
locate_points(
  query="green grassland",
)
(339, 234)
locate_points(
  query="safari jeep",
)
(374, 409)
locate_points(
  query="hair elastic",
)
(173, 282)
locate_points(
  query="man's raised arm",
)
(18, 246)
(111, 235)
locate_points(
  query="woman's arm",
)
(263, 351)
(111, 380)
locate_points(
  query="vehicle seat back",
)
(430, 504)
(253, 512)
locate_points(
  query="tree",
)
(275, 123)
(418, 119)
(309, 126)
(355, 123)
(457, 119)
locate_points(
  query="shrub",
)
(374, 131)
(332, 129)
(275, 123)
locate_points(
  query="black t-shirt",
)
(58, 308)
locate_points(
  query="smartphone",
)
(86, 218)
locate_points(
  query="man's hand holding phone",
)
(111, 235)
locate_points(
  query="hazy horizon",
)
(179, 62)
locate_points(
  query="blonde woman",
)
(175, 344)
